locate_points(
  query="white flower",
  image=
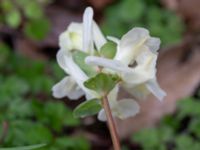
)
(135, 47)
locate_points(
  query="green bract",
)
(88, 108)
(108, 50)
(101, 83)
(79, 58)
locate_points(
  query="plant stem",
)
(111, 124)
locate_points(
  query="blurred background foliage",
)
(30, 115)
(125, 14)
(179, 131)
(28, 16)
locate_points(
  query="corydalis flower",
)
(85, 40)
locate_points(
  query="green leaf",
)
(101, 83)
(37, 29)
(152, 138)
(108, 50)
(194, 127)
(87, 108)
(14, 86)
(26, 132)
(13, 18)
(25, 147)
(79, 58)
(185, 142)
(33, 10)
(20, 109)
(188, 107)
(148, 138)
(170, 121)
(131, 10)
(54, 114)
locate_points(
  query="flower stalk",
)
(111, 124)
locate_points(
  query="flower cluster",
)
(84, 52)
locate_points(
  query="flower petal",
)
(135, 35)
(75, 71)
(107, 63)
(139, 91)
(99, 38)
(130, 45)
(145, 56)
(60, 56)
(126, 108)
(101, 115)
(79, 76)
(67, 87)
(87, 30)
(71, 38)
(147, 62)
(113, 39)
(112, 96)
(153, 44)
(123, 109)
(144, 71)
(137, 75)
(153, 86)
